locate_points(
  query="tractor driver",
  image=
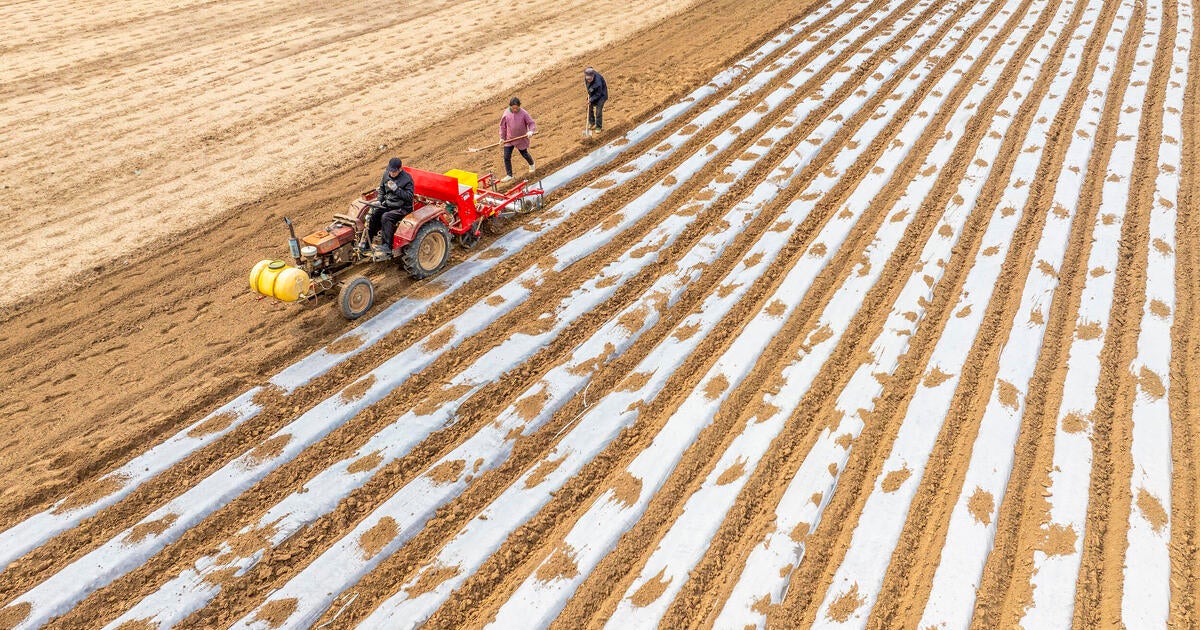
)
(396, 197)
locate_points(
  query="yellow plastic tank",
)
(466, 178)
(277, 279)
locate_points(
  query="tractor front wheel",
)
(428, 253)
(356, 297)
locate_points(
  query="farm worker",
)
(516, 127)
(597, 91)
(396, 197)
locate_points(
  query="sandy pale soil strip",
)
(677, 552)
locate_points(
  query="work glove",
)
(529, 133)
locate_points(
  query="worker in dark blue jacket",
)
(597, 91)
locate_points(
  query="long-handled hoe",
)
(494, 144)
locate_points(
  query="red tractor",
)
(453, 206)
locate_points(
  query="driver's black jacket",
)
(396, 192)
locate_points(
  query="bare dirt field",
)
(861, 313)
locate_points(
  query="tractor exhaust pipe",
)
(293, 242)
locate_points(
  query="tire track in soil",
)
(1105, 542)
(433, 381)
(910, 573)
(869, 451)
(1006, 577)
(1185, 360)
(303, 399)
(639, 541)
(114, 304)
(566, 490)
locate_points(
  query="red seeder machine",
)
(456, 205)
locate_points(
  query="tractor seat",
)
(346, 219)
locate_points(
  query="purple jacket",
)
(513, 124)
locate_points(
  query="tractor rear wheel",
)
(356, 297)
(428, 253)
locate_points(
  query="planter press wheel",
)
(428, 253)
(356, 297)
(530, 204)
(469, 239)
(496, 225)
